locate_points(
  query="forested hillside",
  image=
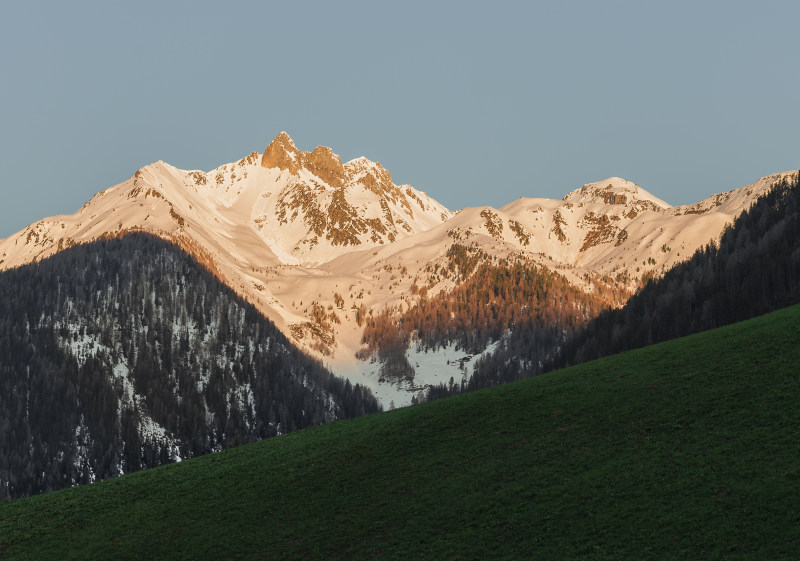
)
(490, 297)
(754, 269)
(125, 354)
(684, 450)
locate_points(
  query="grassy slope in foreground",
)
(684, 450)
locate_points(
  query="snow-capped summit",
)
(321, 162)
(317, 208)
(614, 191)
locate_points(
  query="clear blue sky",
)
(474, 103)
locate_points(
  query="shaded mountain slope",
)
(124, 354)
(683, 450)
(490, 297)
(754, 269)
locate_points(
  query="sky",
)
(475, 103)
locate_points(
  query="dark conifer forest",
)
(125, 354)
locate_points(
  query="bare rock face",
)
(339, 204)
(322, 162)
(282, 154)
(371, 175)
(326, 165)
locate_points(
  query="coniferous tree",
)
(125, 353)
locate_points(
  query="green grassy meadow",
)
(689, 449)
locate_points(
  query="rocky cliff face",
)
(322, 162)
(330, 205)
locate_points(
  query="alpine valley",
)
(183, 312)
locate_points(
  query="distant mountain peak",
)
(326, 165)
(284, 138)
(281, 153)
(614, 191)
(322, 161)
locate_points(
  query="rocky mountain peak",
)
(322, 161)
(326, 165)
(282, 154)
(372, 175)
(614, 191)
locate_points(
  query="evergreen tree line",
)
(754, 269)
(490, 299)
(125, 354)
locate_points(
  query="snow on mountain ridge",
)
(316, 244)
(332, 207)
(614, 191)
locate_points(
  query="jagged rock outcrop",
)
(333, 205)
(281, 153)
(322, 161)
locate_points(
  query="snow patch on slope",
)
(431, 368)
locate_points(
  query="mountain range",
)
(321, 247)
